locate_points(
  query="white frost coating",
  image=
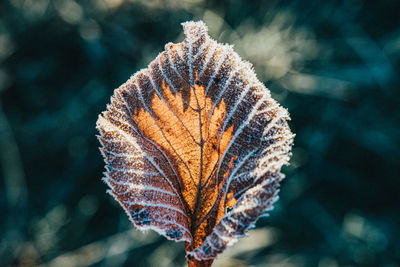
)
(221, 236)
(246, 202)
(254, 111)
(236, 68)
(282, 113)
(227, 51)
(194, 30)
(132, 171)
(236, 169)
(146, 178)
(124, 155)
(190, 63)
(174, 223)
(165, 76)
(226, 226)
(157, 229)
(238, 101)
(158, 205)
(173, 67)
(275, 148)
(201, 50)
(107, 126)
(208, 58)
(141, 187)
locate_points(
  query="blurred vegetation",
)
(334, 65)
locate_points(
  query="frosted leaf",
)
(194, 145)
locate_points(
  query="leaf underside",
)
(194, 145)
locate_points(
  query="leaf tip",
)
(194, 30)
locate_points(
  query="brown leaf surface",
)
(194, 144)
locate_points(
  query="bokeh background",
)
(334, 65)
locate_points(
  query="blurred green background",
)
(334, 65)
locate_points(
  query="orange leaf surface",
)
(194, 145)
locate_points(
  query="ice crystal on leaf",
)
(194, 145)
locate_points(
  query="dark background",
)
(334, 65)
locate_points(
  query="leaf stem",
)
(196, 263)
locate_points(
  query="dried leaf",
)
(194, 145)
